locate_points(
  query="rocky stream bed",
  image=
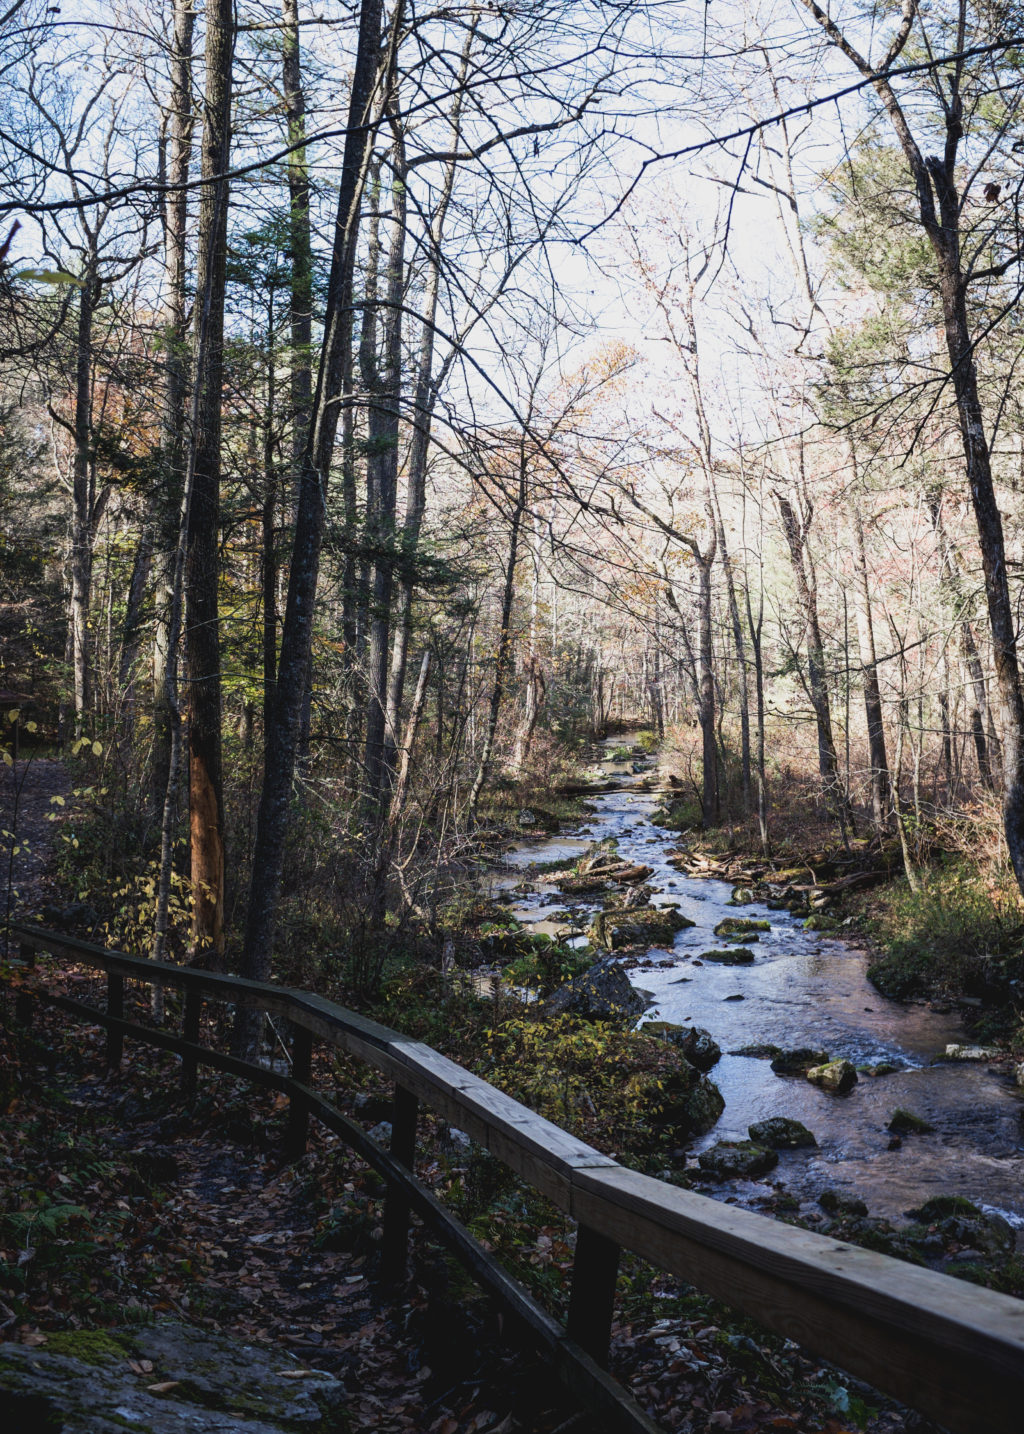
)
(896, 1121)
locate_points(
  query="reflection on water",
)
(805, 989)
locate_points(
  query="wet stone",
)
(837, 1077)
(905, 1122)
(798, 1061)
(735, 956)
(778, 1132)
(736, 1160)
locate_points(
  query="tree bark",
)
(82, 523)
(828, 762)
(173, 398)
(202, 629)
(869, 670)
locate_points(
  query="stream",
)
(804, 989)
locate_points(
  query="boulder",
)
(645, 926)
(837, 1077)
(736, 1160)
(81, 1382)
(1018, 1076)
(733, 926)
(688, 1103)
(742, 896)
(696, 1044)
(734, 956)
(905, 1122)
(778, 1132)
(835, 1204)
(601, 994)
(798, 1061)
(970, 1053)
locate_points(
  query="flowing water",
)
(804, 989)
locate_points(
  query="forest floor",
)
(119, 1207)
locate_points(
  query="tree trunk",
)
(82, 531)
(202, 629)
(301, 295)
(869, 669)
(710, 805)
(424, 395)
(503, 657)
(382, 492)
(282, 738)
(828, 761)
(175, 385)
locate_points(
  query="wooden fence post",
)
(298, 1109)
(396, 1207)
(115, 1007)
(23, 1000)
(190, 1031)
(592, 1301)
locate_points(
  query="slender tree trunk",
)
(709, 754)
(869, 670)
(424, 395)
(951, 587)
(382, 491)
(741, 655)
(131, 632)
(173, 398)
(503, 657)
(202, 631)
(282, 738)
(828, 761)
(301, 296)
(82, 531)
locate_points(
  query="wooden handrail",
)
(953, 1351)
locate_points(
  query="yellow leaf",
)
(97, 749)
(31, 726)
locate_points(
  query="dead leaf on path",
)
(164, 1386)
(297, 1373)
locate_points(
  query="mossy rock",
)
(905, 1122)
(737, 1160)
(645, 926)
(833, 1203)
(213, 1382)
(836, 1077)
(778, 1132)
(734, 956)
(798, 1061)
(731, 926)
(687, 1104)
(742, 896)
(696, 1044)
(939, 1206)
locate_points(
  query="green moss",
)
(92, 1346)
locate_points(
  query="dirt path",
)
(27, 791)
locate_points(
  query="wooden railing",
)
(952, 1351)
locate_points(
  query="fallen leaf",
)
(163, 1386)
